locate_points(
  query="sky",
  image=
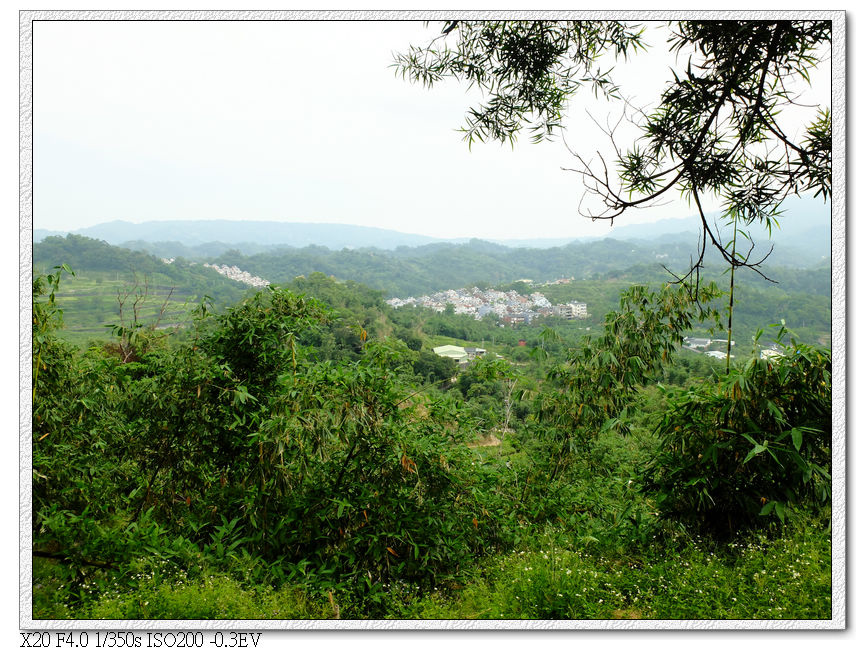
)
(298, 121)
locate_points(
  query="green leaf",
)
(749, 439)
(796, 435)
(758, 449)
(776, 413)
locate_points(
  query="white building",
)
(572, 310)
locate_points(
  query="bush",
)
(749, 444)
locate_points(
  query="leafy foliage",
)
(528, 68)
(599, 381)
(237, 443)
(240, 455)
(751, 577)
(754, 443)
(47, 317)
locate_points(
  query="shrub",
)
(749, 444)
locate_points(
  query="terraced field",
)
(94, 301)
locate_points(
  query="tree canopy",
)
(715, 132)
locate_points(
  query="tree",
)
(755, 443)
(714, 132)
(595, 390)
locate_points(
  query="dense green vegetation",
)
(303, 454)
(415, 271)
(116, 286)
(800, 297)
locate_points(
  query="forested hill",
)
(413, 271)
(109, 280)
(408, 271)
(85, 254)
(600, 270)
(800, 238)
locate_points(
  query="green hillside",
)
(116, 286)
(303, 454)
(107, 276)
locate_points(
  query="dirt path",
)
(488, 440)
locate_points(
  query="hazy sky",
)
(295, 121)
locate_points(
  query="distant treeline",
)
(600, 270)
(412, 271)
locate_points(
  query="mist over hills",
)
(803, 224)
(205, 238)
(802, 238)
(270, 234)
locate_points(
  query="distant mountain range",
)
(801, 219)
(598, 271)
(803, 235)
(238, 233)
(258, 236)
(802, 238)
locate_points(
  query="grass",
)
(753, 578)
(759, 578)
(89, 301)
(160, 590)
(214, 597)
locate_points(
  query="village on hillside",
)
(509, 306)
(231, 272)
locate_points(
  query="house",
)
(517, 319)
(454, 352)
(572, 310)
(474, 353)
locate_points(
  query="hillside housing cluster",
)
(509, 306)
(238, 275)
(231, 272)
